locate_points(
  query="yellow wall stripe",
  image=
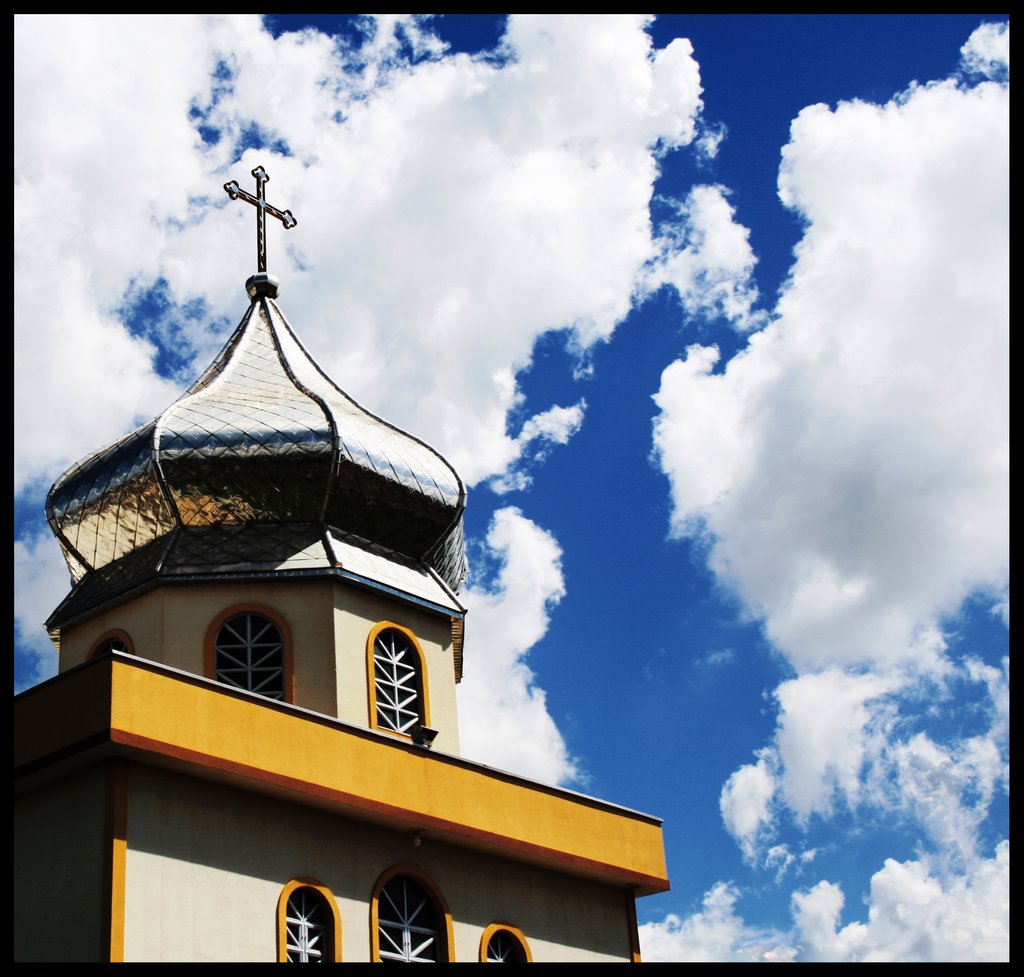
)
(117, 850)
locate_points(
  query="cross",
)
(262, 209)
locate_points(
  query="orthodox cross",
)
(262, 209)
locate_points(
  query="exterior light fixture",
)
(423, 735)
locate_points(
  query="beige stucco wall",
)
(355, 614)
(206, 864)
(329, 622)
(58, 870)
(142, 618)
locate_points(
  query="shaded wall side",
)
(60, 857)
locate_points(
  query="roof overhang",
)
(256, 552)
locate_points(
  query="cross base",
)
(262, 284)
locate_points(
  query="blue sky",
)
(710, 312)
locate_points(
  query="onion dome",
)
(263, 464)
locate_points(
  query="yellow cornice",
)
(153, 713)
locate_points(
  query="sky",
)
(711, 313)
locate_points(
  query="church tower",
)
(251, 750)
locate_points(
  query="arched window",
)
(410, 920)
(309, 926)
(504, 943)
(398, 701)
(248, 649)
(118, 641)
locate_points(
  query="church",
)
(251, 749)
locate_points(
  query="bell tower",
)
(251, 750)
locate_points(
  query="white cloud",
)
(718, 658)
(913, 916)
(503, 715)
(706, 256)
(713, 934)
(709, 140)
(950, 790)
(746, 802)
(507, 201)
(987, 50)
(556, 425)
(94, 177)
(848, 471)
(851, 463)
(997, 683)
(831, 726)
(780, 859)
(542, 431)
(848, 738)
(39, 573)
(950, 787)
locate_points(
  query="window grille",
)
(407, 923)
(397, 681)
(250, 655)
(504, 947)
(308, 926)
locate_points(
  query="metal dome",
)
(262, 441)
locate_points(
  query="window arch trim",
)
(515, 931)
(114, 634)
(306, 882)
(210, 642)
(446, 953)
(371, 678)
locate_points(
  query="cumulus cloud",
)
(780, 859)
(843, 739)
(831, 725)
(851, 463)
(715, 933)
(554, 426)
(705, 255)
(538, 435)
(93, 191)
(503, 715)
(848, 473)
(39, 573)
(913, 916)
(935, 783)
(997, 684)
(746, 802)
(987, 51)
(949, 787)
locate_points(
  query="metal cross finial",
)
(262, 209)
